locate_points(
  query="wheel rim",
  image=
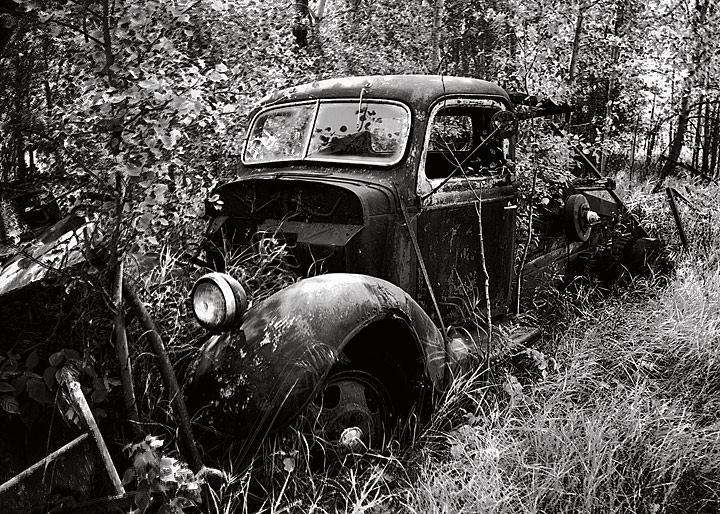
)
(354, 410)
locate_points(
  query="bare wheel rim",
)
(354, 405)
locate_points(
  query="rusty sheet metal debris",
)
(70, 468)
(61, 246)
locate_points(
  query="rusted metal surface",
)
(268, 370)
(414, 224)
(59, 247)
(332, 225)
(69, 469)
(449, 236)
(418, 91)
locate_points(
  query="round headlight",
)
(219, 301)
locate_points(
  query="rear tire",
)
(576, 226)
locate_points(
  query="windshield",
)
(368, 132)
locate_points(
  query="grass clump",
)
(628, 423)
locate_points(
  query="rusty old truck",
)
(376, 185)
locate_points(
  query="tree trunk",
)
(576, 47)
(697, 145)
(650, 140)
(633, 148)
(679, 139)
(437, 18)
(714, 137)
(706, 148)
(672, 102)
(614, 58)
(300, 29)
(697, 19)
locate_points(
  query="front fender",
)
(262, 375)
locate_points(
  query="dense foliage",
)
(135, 110)
(130, 112)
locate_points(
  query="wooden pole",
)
(676, 215)
(17, 479)
(78, 400)
(123, 353)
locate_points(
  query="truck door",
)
(455, 185)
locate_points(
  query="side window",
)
(455, 133)
(451, 133)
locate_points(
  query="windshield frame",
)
(307, 139)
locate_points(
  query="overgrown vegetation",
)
(616, 412)
(130, 113)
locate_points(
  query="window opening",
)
(454, 133)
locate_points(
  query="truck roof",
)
(419, 91)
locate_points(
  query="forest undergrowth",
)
(616, 411)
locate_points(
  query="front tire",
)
(355, 411)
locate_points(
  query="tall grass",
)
(618, 410)
(628, 423)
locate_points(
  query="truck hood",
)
(289, 194)
(329, 223)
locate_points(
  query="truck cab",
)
(338, 169)
(395, 197)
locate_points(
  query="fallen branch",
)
(168, 374)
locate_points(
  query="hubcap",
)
(354, 410)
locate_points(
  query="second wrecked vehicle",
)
(376, 184)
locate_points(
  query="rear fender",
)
(262, 375)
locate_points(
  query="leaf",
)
(216, 77)
(38, 391)
(6, 388)
(70, 414)
(149, 84)
(166, 141)
(128, 476)
(19, 384)
(71, 355)
(457, 451)
(32, 360)
(133, 171)
(57, 358)
(49, 376)
(142, 498)
(9, 404)
(99, 395)
(9, 366)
